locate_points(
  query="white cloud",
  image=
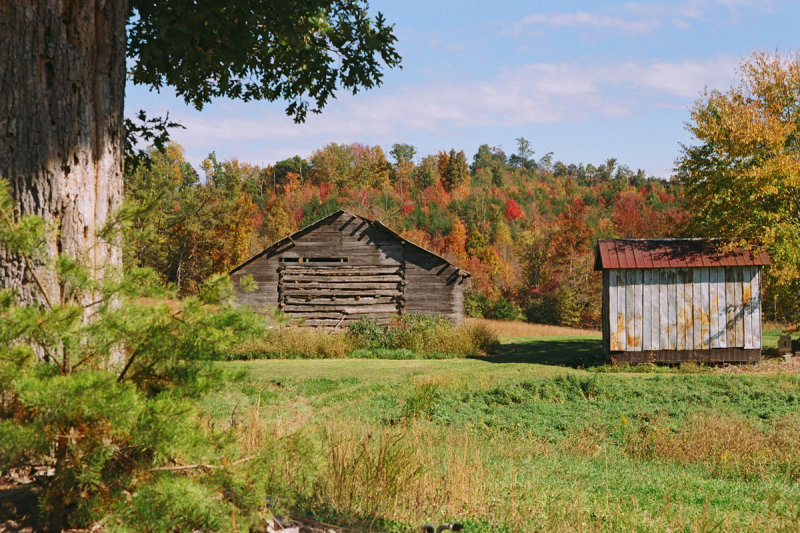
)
(685, 79)
(644, 17)
(533, 94)
(598, 19)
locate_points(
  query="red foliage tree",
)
(513, 211)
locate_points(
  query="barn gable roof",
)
(321, 222)
(674, 253)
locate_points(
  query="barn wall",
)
(652, 310)
(426, 284)
(433, 286)
(264, 270)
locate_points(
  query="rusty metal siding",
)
(674, 253)
(682, 310)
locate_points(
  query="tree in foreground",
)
(742, 178)
(63, 69)
(103, 431)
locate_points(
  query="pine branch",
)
(200, 466)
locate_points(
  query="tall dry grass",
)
(729, 445)
(283, 342)
(510, 329)
(412, 473)
(417, 472)
(419, 337)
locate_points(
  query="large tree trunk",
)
(62, 82)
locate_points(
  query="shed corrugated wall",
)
(683, 309)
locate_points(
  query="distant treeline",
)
(524, 227)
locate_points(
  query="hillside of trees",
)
(524, 227)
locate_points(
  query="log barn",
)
(673, 300)
(344, 267)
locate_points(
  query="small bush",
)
(286, 343)
(476, 305)
(411, 337)
(366, 332)
(423, 334)
(502, 309)
(172, 503)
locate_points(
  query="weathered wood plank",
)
(695, 276)
(367, 269)
(748, 273)
(756, 291)
(663, 309)
(680, 307)
(344, 309)
(722, 294)
(605, 313)
(264, 277)
(623, 303)
(342, 300)
(713, 308)
(655, 307)
(676, 356)
(701, 308)
(647, 309)
(343, 292)
(637, 302)
(335, 285)
(338, 324)
(616, 319)
(672, 309)
(730, 313)
(342, 278)
(688, 300)
(739, 308)
(713, 329)
(645, 329)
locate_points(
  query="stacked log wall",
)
(370, 269)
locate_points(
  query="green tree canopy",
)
(298, 51)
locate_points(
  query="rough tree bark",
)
(62, 82)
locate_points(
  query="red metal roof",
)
(674, 253)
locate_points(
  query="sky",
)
(585, 80)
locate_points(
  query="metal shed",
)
(672, 300)
(343, 267)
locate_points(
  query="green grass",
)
(557, 443)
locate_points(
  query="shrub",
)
(476, 305)
(424, 334)
(289, 342)
(366, 332)
(502, 309)
(542, 311)
(412, 336)
(96, 386)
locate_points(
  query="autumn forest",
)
(524, 227)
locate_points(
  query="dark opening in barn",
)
(344, 267)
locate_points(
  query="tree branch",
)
(30, 267)
(200, 466)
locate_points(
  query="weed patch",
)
(413, 337)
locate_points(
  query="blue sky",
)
(586, 80)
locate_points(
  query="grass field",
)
(538, 437)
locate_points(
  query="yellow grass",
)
(507, 329)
